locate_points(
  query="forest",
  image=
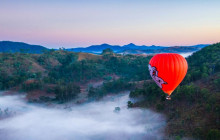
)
(61, 71)
(194, 110)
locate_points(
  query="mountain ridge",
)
(135, 49)
(131, 48)
(10, 46)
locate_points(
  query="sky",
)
(81, 23)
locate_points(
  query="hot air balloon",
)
(168, 70)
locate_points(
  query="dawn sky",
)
(80, 23)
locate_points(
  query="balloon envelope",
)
(168, 70)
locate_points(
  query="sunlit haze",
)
(70, 24)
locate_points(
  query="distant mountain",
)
(97, 48)
(143, 47)
(9, 46)
(198, 46)
(116, 48)
(178, 49)
(162, 50)
(135, 49)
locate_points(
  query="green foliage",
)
(130, 104)
(14, 69)
(130, 67)
(213, 134)
(197, 132)
(61, 67)
(217, 83)
(107, 51)
(66, 92)
(69, 69)
(109, 87)
(160, 107)
(203, 63)
(107, 78)
(150, 93)
(29, 86)
(177, 138)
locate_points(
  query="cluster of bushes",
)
(66, 92)
(114, 86)
(31, 85)
(129, 66)
(14, 69)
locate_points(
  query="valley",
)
(64, 81)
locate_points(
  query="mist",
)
(186, 54)
(90, 121)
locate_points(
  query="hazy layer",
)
(95, 120)
(186, 54)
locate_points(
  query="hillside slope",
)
(57, 76)
(9, 46)
(135, 49)
(194, 110)
(12, 47)
(61, 73)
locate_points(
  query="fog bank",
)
(91, 121)
(186, 54)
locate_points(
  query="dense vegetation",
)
(109, 87)
(194, 110)
(61, 71)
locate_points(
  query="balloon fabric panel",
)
(168, 70)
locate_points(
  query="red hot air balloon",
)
(168, 70)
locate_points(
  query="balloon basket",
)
(168, 98)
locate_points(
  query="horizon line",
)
(104, 44)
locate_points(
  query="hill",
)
(88, 56)
(97, 49)
(61, 73)
(9, 46)
(116, 48)
(135, 49)
(195, 106)
(57, 75)
(161, 50)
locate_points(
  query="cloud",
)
(91, 121)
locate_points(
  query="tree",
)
(107, 51)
